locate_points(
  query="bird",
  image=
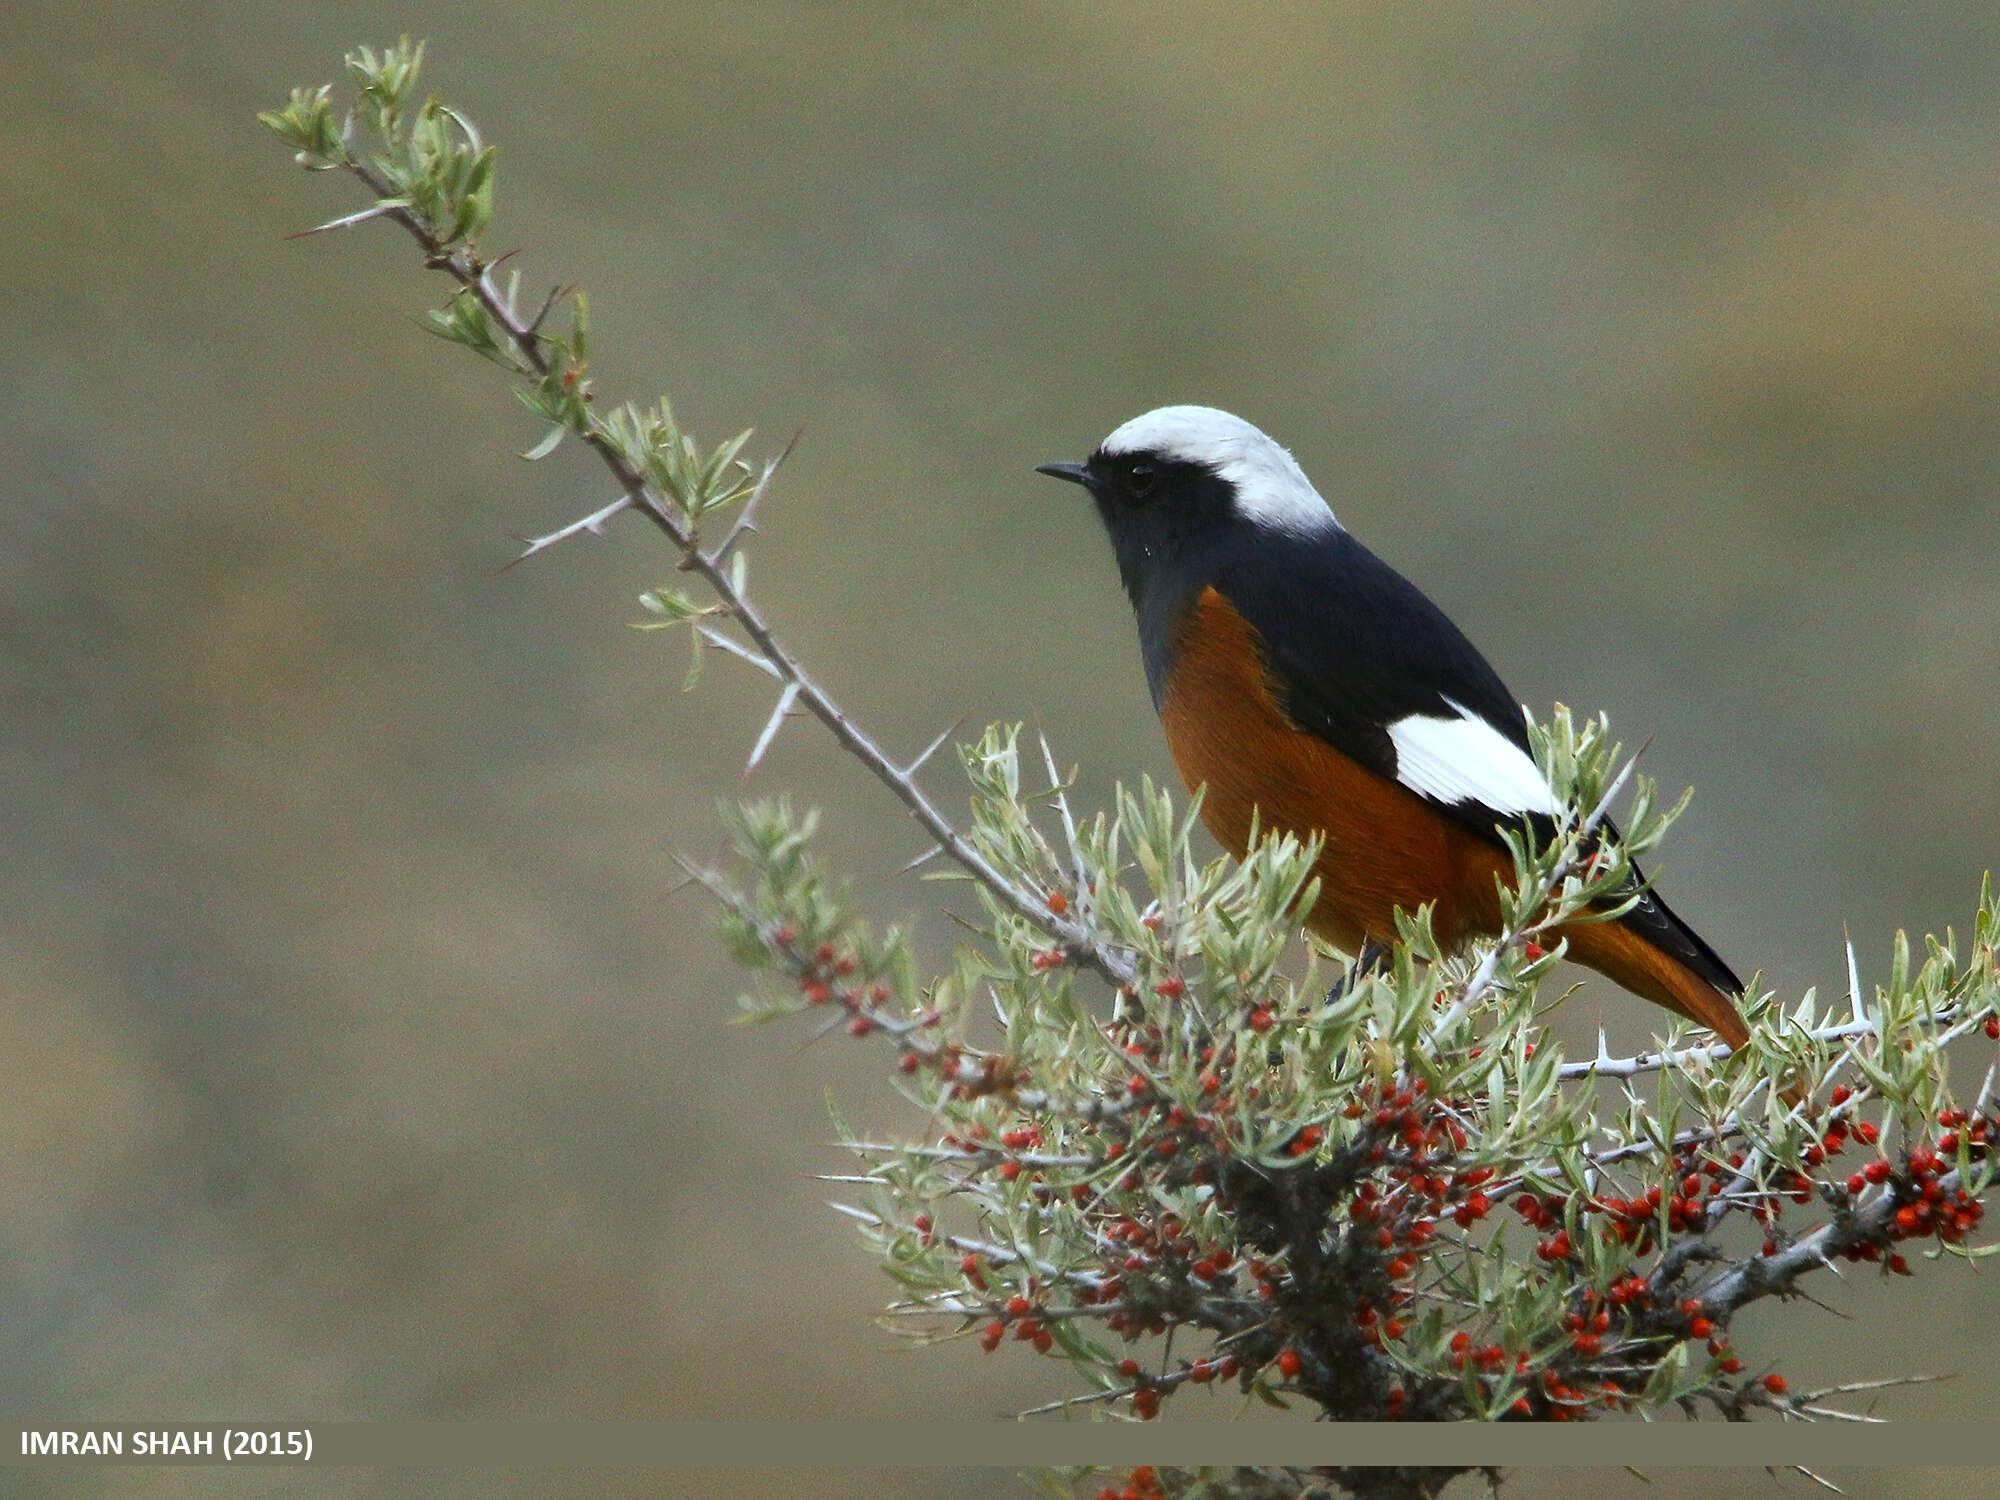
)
(1311, 688)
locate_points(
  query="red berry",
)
(1775, 1384)
(1058, 902)
(1289, 1363)
(1146, 1403)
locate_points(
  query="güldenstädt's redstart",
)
(1312, 688)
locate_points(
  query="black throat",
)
(1165, 558)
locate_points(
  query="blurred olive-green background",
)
(359, 1062)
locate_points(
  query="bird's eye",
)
(1139, 480)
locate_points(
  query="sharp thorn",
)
(932, 748)
(717, 638)
(349, 221)
(592, 523)
(556, 294)
(745, 518)
(785, 701)
(1854, 977)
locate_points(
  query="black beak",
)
(1074, 473)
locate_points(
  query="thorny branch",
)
(636, 492)
(1606, 1066)
(1296, 1185)
(1535, 914)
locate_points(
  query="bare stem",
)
(1606, 1066)
(470, 272)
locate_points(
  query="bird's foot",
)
(1372, 958)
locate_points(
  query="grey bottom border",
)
(1014, 1445)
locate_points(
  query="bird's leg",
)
(1373, 957)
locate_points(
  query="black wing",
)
(1353, 647)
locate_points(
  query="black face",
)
(1159, 511)
(1171, 523)
(1131, 479)
(1131, 482)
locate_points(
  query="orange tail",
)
(1621, 955)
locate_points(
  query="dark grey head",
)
(1182, 480)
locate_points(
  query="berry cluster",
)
(1925, 1188)
(1315, 1226)
(1142, 1483)
(836, 975)
(1394, 1180)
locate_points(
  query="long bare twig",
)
(1606, 1066)
(464, 267)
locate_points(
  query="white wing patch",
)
(1465, 759)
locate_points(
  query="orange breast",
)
(1384, 846)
